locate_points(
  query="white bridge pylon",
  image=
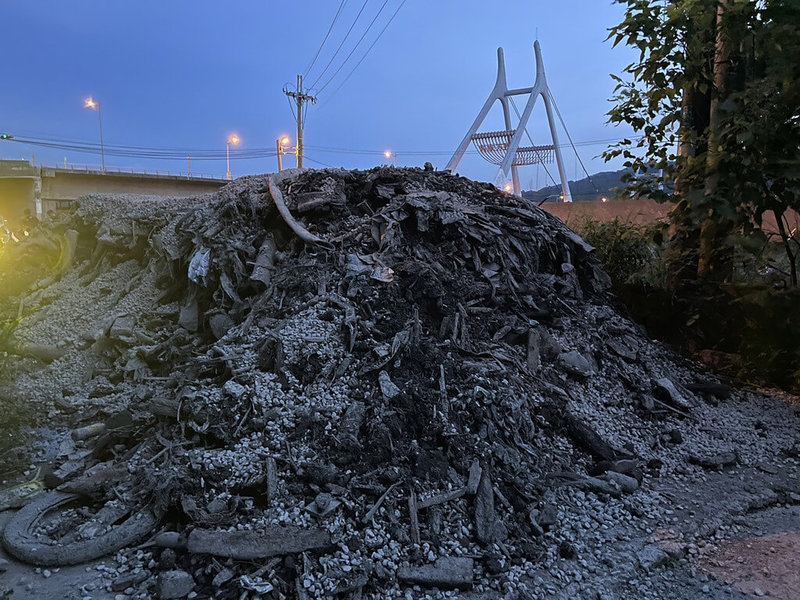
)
(503, 148)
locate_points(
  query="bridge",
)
(42, 188)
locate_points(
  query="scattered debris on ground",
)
(343, 384)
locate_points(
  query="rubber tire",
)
(20, 543)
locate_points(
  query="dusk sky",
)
(185, 74)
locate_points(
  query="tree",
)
(715, 96)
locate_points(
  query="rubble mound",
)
(381, 383)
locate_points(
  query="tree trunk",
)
(713, 230)
(787, 246)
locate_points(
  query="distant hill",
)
(584, 190)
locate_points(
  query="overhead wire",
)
(354, 48)
(385, 27)
(344, 39)
(325, 39)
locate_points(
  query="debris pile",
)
(343, 384)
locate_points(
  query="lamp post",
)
(92, 104)
(281, 143)
(234, 139)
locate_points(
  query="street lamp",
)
(92, 104)
(391, 156)
(234, 139)
(281, 143)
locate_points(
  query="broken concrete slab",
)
(447, 573)
(277, 540)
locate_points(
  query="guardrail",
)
(126, 170)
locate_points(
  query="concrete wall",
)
(65, 185)
(22, 184)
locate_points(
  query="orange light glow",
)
(234, 139)
(90, 103)
(285, 140)
(508, 187)
(605, 199)
(388, 154)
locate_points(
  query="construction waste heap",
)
(343, 384)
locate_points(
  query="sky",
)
(184, 75)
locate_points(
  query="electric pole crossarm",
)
(300, 98)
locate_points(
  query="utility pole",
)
(300, 97)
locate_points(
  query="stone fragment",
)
(220, 324)
(388, 388)
(446, 573)
(127, 580)
(574, 363)
(666, 391)
(624, 482)
(174, 584)
(715, 461)
(488, 527)
(651, 557)
(276, 540)
(474, 480)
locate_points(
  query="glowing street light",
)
(93, 104)
(234, 139)
(391, 156)
(282, 142)
(605, 199)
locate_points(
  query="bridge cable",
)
(525, 129)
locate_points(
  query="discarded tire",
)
(20, 541)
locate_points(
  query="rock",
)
(446, 573)
(220, 324)
(548, 516)
(234, 390)
(574, 363)
(169, 539)
(666, 391)
(716, 461)
(3, 565)
(622, 347)
(474, 479)
(624, 482)
(485, 516)
(651, 557)
(388, 388)
(275, 540)
(174, 584)
(567, 550)
(223, 577)
(127, 580)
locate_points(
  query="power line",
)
(357, 44)
(385, 27)
(325, 39)
(344, 39)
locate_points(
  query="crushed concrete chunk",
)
(251, 545)
(446, 573)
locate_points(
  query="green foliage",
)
(631, 255)
(740, 154)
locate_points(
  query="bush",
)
(631, 254)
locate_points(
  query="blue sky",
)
(186, 74)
